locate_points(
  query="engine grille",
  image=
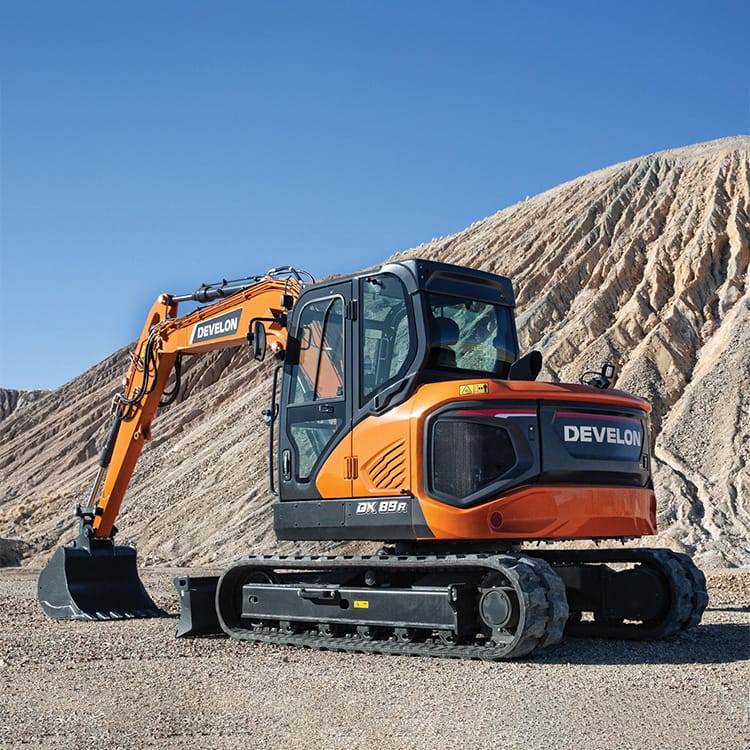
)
(467, 456)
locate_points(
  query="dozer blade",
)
(197, 605)
(96, 582)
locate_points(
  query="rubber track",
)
(687, 586)
(540, 590)
(557, 599)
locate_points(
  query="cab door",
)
(386, 366)
(315, 401)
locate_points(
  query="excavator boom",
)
(94, 578)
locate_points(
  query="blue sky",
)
(150, 147)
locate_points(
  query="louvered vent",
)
(388, 470)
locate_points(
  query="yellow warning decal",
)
(360, 604)
(468, 390)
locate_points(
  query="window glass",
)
(387, 333)
(470, 335)
(319, 373)
(310, 439)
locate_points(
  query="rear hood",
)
(606, 442)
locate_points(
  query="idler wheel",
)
(499, 609)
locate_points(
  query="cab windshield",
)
(470, 335)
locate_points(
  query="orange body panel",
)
(382, 449)
(333, 478)
(388, 451)
(548, 512)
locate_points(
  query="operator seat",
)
(444, 334)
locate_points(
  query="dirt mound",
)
(10, 400)
(643, 264)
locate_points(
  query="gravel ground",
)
(133, 685)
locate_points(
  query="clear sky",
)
(148, 147)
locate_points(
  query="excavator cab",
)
(359, 347)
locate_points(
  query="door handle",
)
(325, 409)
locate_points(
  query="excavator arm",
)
(230, 322)
(238, 313)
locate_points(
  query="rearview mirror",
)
(259, 341)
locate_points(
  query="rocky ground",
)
(133, 685)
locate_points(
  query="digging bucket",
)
(94, 580)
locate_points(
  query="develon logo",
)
(216, 328)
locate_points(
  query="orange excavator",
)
(400, 413)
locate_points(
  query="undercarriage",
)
(474, 606)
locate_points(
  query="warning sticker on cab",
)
(472, 388)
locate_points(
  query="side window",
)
(386, 332)
(319, 374)
(470, 335)
(310, 439)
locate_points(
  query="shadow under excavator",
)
(712, 643)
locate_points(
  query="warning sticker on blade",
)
(472, 388)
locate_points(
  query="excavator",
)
(401, 413)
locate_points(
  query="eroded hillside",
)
(643, 264)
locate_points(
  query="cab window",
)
(470, 335)
(319, 372)
(387, 335)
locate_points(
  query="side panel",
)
(476, 450)
(382, 452)
(382, 519)
(588, 442)
(390, 459)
